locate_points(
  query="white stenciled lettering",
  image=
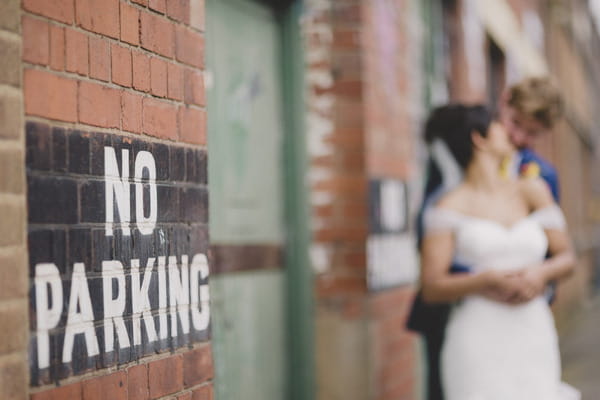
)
(114, 307)
(144, 160)
(48, 315)
(81, 321)
(199, 301)
(140, 302)
(162, 298)
(179, 294)
(117, 184)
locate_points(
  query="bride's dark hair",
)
(454, 123)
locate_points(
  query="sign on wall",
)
(117, 247)
(391, 252)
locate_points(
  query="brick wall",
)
(336, 136)
(182, 376)
(392, 125)
(361, 123)
(13, 250)
(124, 74)
(338, 196)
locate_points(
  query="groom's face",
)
(523, 129)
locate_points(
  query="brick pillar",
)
(338, 197)
(13, 250)
(115, 124)
(363, 117)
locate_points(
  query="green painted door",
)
(254, 165)
(245, 123)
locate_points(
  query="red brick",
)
(57, 47)
(141, 2)
(137, 377)
(99, 105)
(193, 88)
(141, 71)
(197, 366)
(158, 77)
(50, 96)
(159, 118)
(73, 391)
(197, 13)
(179, 10)
(121, 65)
(76, 51)
(100, 16)
(189, 47)
(131, 112)
(185, 396)
(192, 123)
(158, 5)
(108, 387)
(157, 34)
(165, 376)
(348, 184)
(36, 41)
(99, 59)
(59, 10)
(203, 393)
(174, 81)
(346, 38)
(130, 24)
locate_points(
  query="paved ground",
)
(580, 348)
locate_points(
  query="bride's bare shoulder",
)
(535, 191)
(454, 200)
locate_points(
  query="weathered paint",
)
(245, 123)
(248, 335)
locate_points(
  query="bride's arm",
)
(562, 261)
(438, 284)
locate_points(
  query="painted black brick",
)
(103, 248)
(181, 242)
(194, 205)
(51, 200)
(80, 247)
(141, 145)
(198, 239)
(168, 203)
(195, 160)
(161, 156)
(47, 246)
(203, 165)
(98, 141)
(192, 166)
(79, 152)
(38, 147)
(59, 150)
(92, 202)
(177, 164)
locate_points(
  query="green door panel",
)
(245, 123)
(248, 335)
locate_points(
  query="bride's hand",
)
(503, 287)
(533, 282)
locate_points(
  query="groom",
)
(528, 110)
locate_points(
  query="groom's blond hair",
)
(539, 98)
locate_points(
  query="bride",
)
(500, 342)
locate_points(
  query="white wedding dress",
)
(495, 351)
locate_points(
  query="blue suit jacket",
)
(431, 318)
(547, 171)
